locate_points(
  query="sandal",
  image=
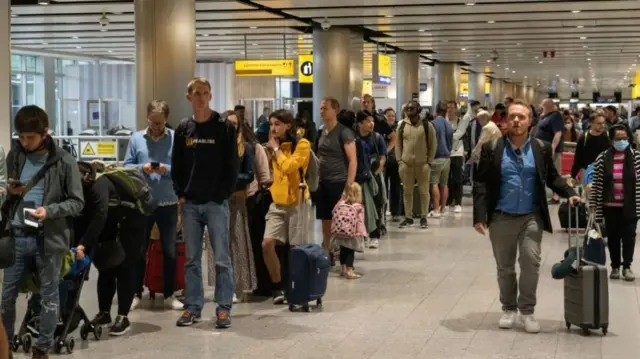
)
(352, 276)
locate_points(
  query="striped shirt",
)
(618, 187)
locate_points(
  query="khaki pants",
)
(410, 175)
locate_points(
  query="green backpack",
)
(129, 179)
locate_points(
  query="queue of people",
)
(249, 191)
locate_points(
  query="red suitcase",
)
(154, 279)
(566, 162)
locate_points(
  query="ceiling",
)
(594, 41)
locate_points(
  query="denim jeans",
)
(167, 219)
(48, 268)
(216, 218)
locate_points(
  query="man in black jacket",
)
(509, 198)
(204, 169)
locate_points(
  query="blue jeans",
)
(216, 217)
(167, 220)
(48, 268)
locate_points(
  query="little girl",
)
(348, 229)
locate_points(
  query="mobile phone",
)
(15, 182)
(155, 165)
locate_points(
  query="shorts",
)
(327, 197)
(440, 168)
(285, 225)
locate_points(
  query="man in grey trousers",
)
(509, 200)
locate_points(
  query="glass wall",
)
(24, 79)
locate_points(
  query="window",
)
(16, 63)
(30, 63)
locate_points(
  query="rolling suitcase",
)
(309, 266)
(586, 291)
(154, 279)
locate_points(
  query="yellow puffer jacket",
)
(285, 189)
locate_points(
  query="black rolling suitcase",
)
(586, 291)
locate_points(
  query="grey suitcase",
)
(586, 293)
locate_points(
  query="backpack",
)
(344, 220)
(312, 176)
(130, 180)
(425, 125)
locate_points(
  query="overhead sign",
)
(382, 69)
(464, 88)
(423, 86)
(367, 86)
(265, 67)
(305, 69)
(95, 149)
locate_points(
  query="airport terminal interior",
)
(94, 65)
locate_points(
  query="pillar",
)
(5, 74)
(497, 92)
(508, 90)
(407, 77)
(518, 91)
(46, 91)
(355, 70)
(331, 50)
(165, 55)
(476, 86)
(447, 82)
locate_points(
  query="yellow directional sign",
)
(265, 67)
(305, 69)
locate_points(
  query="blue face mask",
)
(620, 145)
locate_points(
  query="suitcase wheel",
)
(605, 329)
(567, 324)
(292, 308)
(152, 295)
(585, 330)
(306, 309)
(97, 333)
(319, 303)
(26, 342)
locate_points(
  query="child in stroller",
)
(74, 273)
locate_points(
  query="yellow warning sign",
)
(88, 150)
(106, 149)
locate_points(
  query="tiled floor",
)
(424, 294)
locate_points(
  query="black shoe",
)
(102, 318)
(408, 222)
(423, 223)
(278, 296)
(188, 318)
(121, 326)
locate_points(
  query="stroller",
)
(70, 314)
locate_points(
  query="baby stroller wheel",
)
(57, 347)
(84, 331)
(97, 332)
(26, 342)
(16, 343)
(69, 344)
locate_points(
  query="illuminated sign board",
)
(305, 69)
(382, 69)
(265, 67)
(367, 86)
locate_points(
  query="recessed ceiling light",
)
(506, 68)
(583, 37)
(588, 54)
(254, 44)
(478, 55)
(241, 52)
(488, 61)
(75, 37)
(580, 26)
(205, 35)
(585, 47)
(541, 62)
(78, 47)
(513, 72)
(498, 65)
(525, 77)
(253, 27)
(197, 45)
(589, 59)
(536, 57)
(421, 30)
(388, 16)
(491, 22)
(463, 49)
(110, 51)
(557, 75)
(43, 2)
(518, 44)
(103, 30)
(470, 3)
(575, 11)
(14, 15)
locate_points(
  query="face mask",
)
(620, 145)
(568, 126)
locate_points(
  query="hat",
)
(483, 113)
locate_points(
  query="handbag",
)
(109, 254)
(594, 247)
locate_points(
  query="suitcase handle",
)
(575, 231)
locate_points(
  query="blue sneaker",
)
(223, 320)
(188, 318)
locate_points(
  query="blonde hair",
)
(197, 81)
(352, 193)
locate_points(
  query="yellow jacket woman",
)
(285, 189)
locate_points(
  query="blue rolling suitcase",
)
(308, 274)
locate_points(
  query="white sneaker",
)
(173, 303)
(530, 324)
(135, 303)
(433, 214)
(457, 209)
(373, 244)
(507, 320)
(235, 299)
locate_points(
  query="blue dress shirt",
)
(518, 180)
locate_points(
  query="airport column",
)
(476, 86)
(331, 53)
(5, 74)
(165, 55)
(497, 90)
(355, 71)
(447, 83)
(407, 77)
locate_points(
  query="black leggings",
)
(621, 236)
(347, 256)
(455, 181)
(131, 234)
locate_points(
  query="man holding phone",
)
(150, 150)
(44, 178)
